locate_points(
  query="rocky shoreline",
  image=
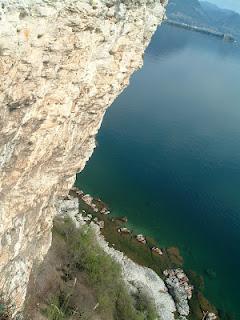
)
(171, 295)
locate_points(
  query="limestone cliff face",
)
(62, 63)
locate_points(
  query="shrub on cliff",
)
(5, 309)
(55, 310)
(104, 275)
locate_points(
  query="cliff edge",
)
(62, 63)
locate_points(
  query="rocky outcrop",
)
(62, 63)
(136, 277)
(180, 289)
(142, 279)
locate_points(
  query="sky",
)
(228, 4)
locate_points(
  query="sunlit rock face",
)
(62, 63)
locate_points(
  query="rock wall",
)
(62, 63)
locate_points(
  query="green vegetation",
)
(136, 251)
(103, 275)
(143, 255)
(5, 309)
(59, 308)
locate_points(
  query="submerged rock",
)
(140, 238)
(210, 316)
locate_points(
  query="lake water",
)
(168, 155)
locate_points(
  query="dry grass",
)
(79, 281)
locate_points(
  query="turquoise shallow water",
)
(168, 155)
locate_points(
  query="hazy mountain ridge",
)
(205, 14)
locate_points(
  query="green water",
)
(168, 155)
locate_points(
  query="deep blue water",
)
(168, 155)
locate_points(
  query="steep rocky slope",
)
(206, 15)
(62, 63)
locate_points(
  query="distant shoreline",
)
(221, 35)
